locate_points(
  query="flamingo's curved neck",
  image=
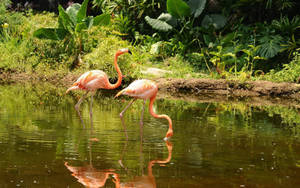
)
(118, 83)
(170, 131)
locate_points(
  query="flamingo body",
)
(141, 89)
(91, 81)
(145, 89)
(97, 79)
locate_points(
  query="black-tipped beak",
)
(129, 52)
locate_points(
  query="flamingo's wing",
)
(143, 89)
(92, 80)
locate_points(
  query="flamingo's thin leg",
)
(80, 101)
(91, 108)
(142, 115)
(78, 105)
(125, 130)
(121, 114)
(142, 120)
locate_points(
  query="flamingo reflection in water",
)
(92, 177)
(148, 181)
(144, 181)
(89, 176)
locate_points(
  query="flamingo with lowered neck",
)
(145, 89)
(97, 79)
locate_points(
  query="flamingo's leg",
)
(142, 115)
(91, 107)
(77, 107)
(142, 120)
(80, 101)
(121, 114)
(125, 130)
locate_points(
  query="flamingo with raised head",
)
(145, 89)
(97, 79)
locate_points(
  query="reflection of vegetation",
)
(230, 114)
(289, 116)
(210, 138)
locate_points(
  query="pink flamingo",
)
(145, 89)
(97, 79)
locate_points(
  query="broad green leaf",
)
(64, 19)
(178, 8)
(216, 20)
(165, 17)
(103, 19)
(168, 18)
(197, 7)
(72, 11)
(82, 11)
(269, 46)
(50, 33)
(158, 24)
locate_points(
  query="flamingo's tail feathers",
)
(120, 93)
(72, 88)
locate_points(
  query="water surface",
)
(43, 142)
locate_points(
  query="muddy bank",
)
(226, 88)
(188, 89)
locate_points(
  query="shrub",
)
(289, 73)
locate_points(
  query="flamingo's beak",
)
(119, 93)
(129, 52)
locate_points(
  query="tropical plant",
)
(286, 26)
(72, 25)
(289, 73)
(129, 14)
(181, 22)
(270, 45)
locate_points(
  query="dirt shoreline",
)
(190, 89)
(230, 88)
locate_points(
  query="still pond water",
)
(43, 143)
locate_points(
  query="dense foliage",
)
(231, 39)
(228, 36)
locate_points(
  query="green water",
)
(43, 142)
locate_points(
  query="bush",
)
(289, 73)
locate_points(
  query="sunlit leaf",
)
(178, 8)
(82, 11)
(103, 19)
(65, 19)
(158, 24)
(72, 11)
